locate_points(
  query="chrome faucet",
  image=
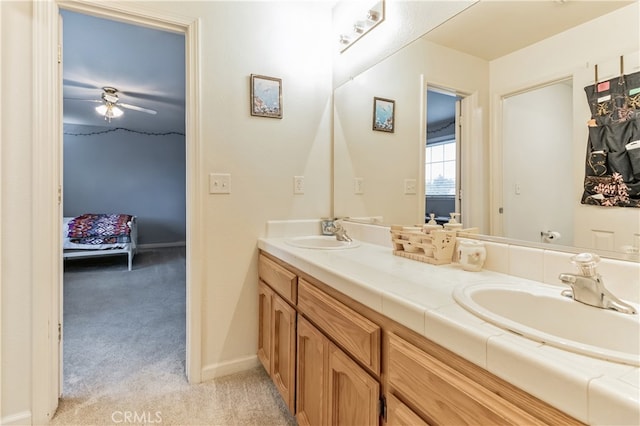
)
(587, 287)
(334, 227)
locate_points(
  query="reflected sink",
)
(540, 313)
(322, 242)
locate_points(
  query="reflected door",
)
(538, 164)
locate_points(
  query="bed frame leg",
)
(130, 259)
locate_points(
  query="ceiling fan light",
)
(102, 109)
(117, 112)
(109, 111)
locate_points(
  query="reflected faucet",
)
(334, 227)
(587, 287)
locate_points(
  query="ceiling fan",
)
(110, 107)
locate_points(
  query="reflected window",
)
(440, 168)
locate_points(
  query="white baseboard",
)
(212, 371)
(151, 246)
(19, 419)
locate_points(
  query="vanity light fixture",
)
(344, 40)
(370, 18)
(372, 15)
(109, 111)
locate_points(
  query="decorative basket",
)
(435, 247)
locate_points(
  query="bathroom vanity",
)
(359, 336)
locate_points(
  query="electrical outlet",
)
(298, 184)
(219, 183)
(358, 185)
(409, 186)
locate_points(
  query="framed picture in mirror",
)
(384, 114)
(266, 96)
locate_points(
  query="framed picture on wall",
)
(266, 96)
(384, 114)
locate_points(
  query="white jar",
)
(471, 254)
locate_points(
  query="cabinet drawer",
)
(355, 333)
(282, 281)
(442, 394)
(399, 414)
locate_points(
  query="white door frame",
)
(47, 173)
(469, 161)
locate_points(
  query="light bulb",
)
(109, 111)
(117, 112)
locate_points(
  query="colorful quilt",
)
(96, 229)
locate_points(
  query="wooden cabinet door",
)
(283, 353)
(265, 294)
(353, 394)
(313, 365)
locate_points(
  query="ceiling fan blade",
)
(152, 97)
(137, 108)
(82, 100)
(76, 83)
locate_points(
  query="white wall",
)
(385, 160)
(574, 53)
(237, 39)
(121, 171)
(16, 208)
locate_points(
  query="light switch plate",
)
(410, 186)
(358, 186)
(298, 184)
(219, 183)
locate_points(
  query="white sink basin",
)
(322, 242)
(540, 313)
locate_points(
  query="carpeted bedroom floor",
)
(124, 352)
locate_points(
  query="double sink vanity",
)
(352, 334)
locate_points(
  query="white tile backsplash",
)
(526, 262)
(555, 263)
(292, 228)
(372, 234)
(621, 278)
(497, 257)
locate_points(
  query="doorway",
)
(113, 165)
(442, 155)
(47, 188)
(537, 167)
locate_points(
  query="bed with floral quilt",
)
(100, 234)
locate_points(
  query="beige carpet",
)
(124, 335)
(247, 398)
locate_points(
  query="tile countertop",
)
(419, 296)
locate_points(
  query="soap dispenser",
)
(453, 224)
(432, 225)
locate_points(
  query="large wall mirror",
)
(515, 74)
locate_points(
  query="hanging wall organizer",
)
(612, 169)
